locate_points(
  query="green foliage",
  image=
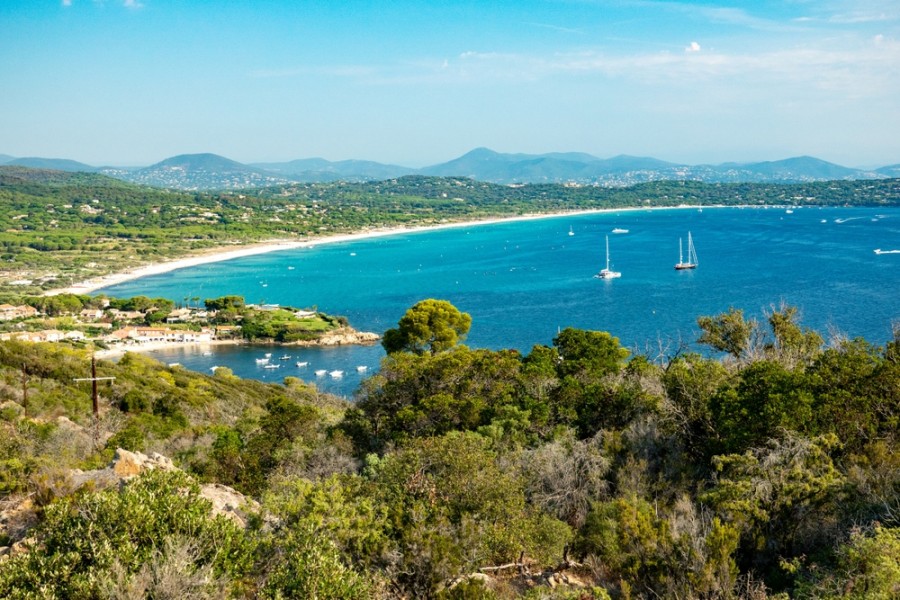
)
(780, 497)
(308, 565)
(590, 354)
(780, 471)
(793, 344)
(413, 396)
(868, 567)
(429, 326)
(767, 399)
(454, 509)
(728, 332)
(83, 537)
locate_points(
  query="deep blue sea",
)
(524, 280)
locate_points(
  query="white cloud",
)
(693, 47)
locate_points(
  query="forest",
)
(59, 228)
(766, 466)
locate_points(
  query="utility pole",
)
(95, 399)
(25, 390)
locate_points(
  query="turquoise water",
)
(522, 281)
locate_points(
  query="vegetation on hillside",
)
(576, 470)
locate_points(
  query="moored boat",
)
(607, 273)
(691, 262)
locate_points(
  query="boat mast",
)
(680, 258)
(607, 253)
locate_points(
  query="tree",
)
(793, 343)
(591, 354)
(729, 332)
(429, 326)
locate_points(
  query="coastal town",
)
(112, 330)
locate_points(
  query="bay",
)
(524, 280)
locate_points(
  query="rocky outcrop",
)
(341, 337)
(125, 464)
(229, 502)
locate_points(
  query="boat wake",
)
(847, 219)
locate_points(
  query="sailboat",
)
(607, 273)
(571, 231)
(691, 256)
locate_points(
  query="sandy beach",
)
(230, 252)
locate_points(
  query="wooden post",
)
(25, 389)
(95, 397)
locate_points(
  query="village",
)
(118, 330)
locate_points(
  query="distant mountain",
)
(211, 171)
(202, 172)
(803, 167)
(5, 158)
(319, 169)
(56, 164)
(889, 171)
(486, 165)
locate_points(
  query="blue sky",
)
(131, 82)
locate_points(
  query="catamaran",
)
(607, 273)
(691, 256)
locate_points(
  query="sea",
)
(523, 281)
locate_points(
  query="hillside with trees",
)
(59, 228)
(768, 468)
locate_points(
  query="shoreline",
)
(225, 253)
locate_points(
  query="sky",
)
(415, 83)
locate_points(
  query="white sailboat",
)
(607, 273)
(571, 231)
(691, 262)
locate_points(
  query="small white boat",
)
(262, 361)
(336, 374)
(214, 367)
(271, 366)
(175, 364)
(570, 231)
(789, 212)
(880, 251)
(619, 230)
(362, 368)
(285, 357)
(321, 373)
(302, 364)
(268, 355)
(607, 273)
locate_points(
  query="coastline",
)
(225, 253)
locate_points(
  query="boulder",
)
(229, 502)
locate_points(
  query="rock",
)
(17, 517)
(229, 502)
(486, 580)
(127, 464)
(22, 546)
(342, 337)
